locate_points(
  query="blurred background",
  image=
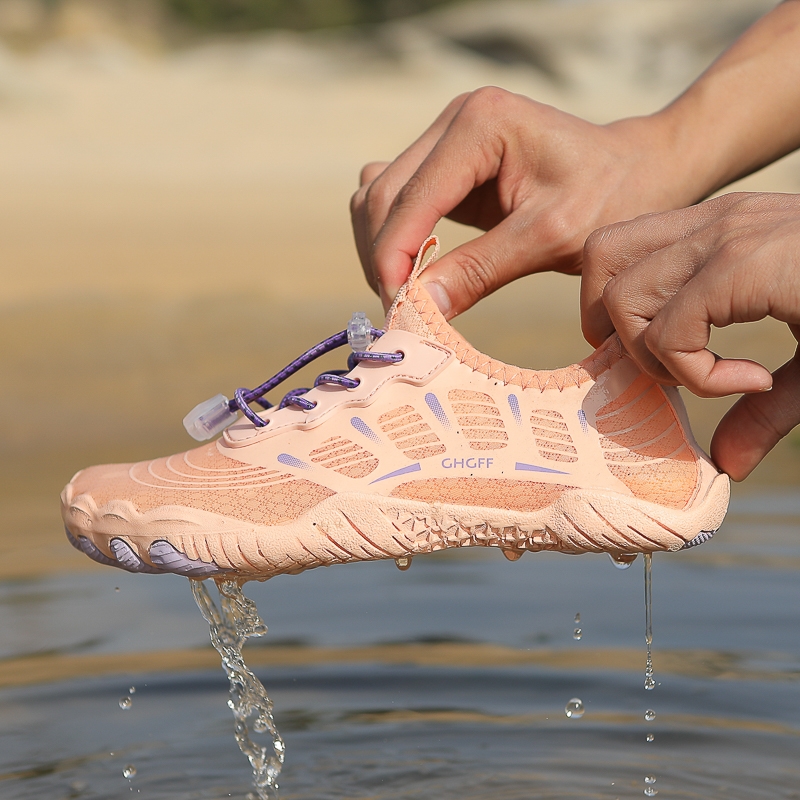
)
(174, 186)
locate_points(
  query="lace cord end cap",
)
(209, 418)
(359, 332)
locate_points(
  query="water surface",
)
(448, 680)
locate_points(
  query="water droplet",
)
(649, 737)
(649, 684)
(577, 619)
(574, 708)
(125, 703)
(622, 560)
(650, 791)
(649, 715)
(260, 725)
(577, 633)
(512, 555)
(403, 563)
(116, 588)
(132, 690)
(128, 771)
(279, 745)
(650, 779)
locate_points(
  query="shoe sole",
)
(354, 527)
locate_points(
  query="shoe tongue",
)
(413, 310)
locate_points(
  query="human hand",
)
(662, 280)
(536, 179)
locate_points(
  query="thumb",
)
(474, 270)
(757, 422)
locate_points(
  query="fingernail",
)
(439, 296)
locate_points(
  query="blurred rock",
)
(645, 42)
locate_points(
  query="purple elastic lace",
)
(243, 397)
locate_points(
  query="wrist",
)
(669, 159)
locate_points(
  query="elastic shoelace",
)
(243, 397)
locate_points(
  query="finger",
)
(481, 266)
(374, 200)
(371, 204)
(636, 295)
(359, 225)
(611, 250)
(678, 337)
(757, 422)
(371, 171)
(459, 162)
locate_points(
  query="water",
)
(649, 679)
(574, 708)
(623, 560)
(649, 715)
(448, 681)
(231, 623)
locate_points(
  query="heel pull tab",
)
(427, 254)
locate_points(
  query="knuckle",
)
(415, 187)
(597, 247)
(458, 101)
(604, 244)
(378, 194)
(370, 171)
(614, 294)
(765, 421)
(561, 237)
(477, 274)
(654, 339)
(487, 98)
(357, 202)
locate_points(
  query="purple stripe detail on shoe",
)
(533, 468)
(584, 423)
(95, 553)
(701, 537)
(172, 560)
(129, 560)
(403, 471)
(72, 540)
(513, 404)
(434, 405)
(291, 461)
(365, 429)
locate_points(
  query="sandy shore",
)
(174, 223)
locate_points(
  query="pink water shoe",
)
(423, 444)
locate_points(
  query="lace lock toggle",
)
(359, 332)
(209, 418)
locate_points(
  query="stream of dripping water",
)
(649, 680)
(231, 624)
